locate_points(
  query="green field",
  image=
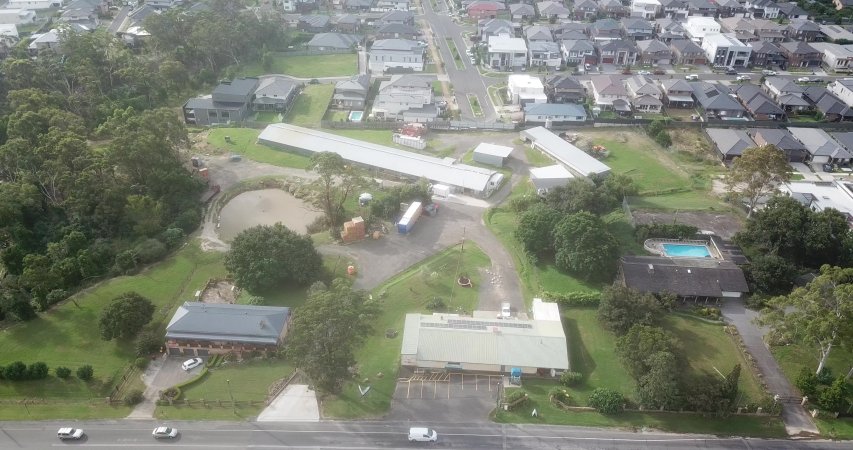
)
(267, 117)
(244, 143)
(310, 106)
(306, 66)
(536, 158)
(407, 292)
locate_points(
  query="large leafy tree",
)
(585, 247)
(659, 386)
(819, 315)
(336, 181)
(639, 343)
(535, 227)
(266, 257)
(597, 196)
(757, 173)
(771, 274)
(327, 330)
(125, 316)
(621, 308)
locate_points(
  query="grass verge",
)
(474, 101)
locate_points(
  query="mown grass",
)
(407, 292)
(306, 66)
(244, 142)
(310, 106)
(536, 158)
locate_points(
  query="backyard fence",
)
(125, 380)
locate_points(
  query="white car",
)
(192, 363)
(804, 80)
(769, 73)
(506, 311)
(164, 433)
(421, 434)
(643, 72)
(691, 77)
(69, 433)
(743, 78)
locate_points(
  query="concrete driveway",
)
(161, 374)
(297, 403)
(441, 397)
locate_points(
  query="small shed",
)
(494, 155)
(549, 177)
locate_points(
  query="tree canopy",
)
(535, 228)
(597, 196)
(336, 181)
(639, 344)
(622, 308)
(585, 247)
(265, 257)
(326, 331)
(757, 173)
(125, 315)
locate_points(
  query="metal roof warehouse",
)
(578, 161)
(445, 171)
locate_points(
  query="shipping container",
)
(409, 218)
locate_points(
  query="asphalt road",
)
(371, 435)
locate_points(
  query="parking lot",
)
(445, 397)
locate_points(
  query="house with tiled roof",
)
(645, 94)
(730, 143)
(687, 52)
(654, 52)
(800, 54)
(677, 93)
(782, 139)
(758, 103)
(766, 54)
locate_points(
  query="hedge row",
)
(573, 298)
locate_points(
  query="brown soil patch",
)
(220, 291)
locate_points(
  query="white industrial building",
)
(491, 154)
(463, 178)
(482, 344)
(17, 16)
(726, 50)
(576, 160)
(507, 53)
(549, 177)
(524, 89)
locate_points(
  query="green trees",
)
(264, 257)
(85, 372)
(657, 131)
(125, 316)
(756, 174)
(326, 331)
(659, 386)
(606, 401)
(585, 247)
(597, 196)
(621, 308)
(639, 344)
(535, 227)
(336, 181)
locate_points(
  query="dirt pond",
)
(264, 207)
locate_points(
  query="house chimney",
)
(651, 268)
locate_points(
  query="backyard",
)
(244, 143)
(310, 106)
(410, 291)
(305, 66)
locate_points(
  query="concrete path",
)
(296, 403)
(796, 418)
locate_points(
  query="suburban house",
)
(781, 139)
(570, 30)
(487, 28)
(668, 30)
(457, 343)
(822, 148)
(761, 9)
(49, 41)
(535, 33)
(314, 23)
(791, 11)
(204, 329)
(346, 23)
(822, 195)
(406, 97)
(702, 8)
(521, 12)
(800, 54)
(786, 93)
(609, 93)
(397, 31)
(646, 9)
(729, 8)
(687, 52)
(715, 101)
(758, 103)
(613, 9)
(832, 108)
(654, 52)
(553, 10)
(766, 54)
(578, 52)
(524, 89)
(837, 58)
(725, 50)
(645, 95)
(677, 93)
(352, 93)
(17, 16)
(564, 89)
(229, 103)
(636, 28)
(674, 9)
(699, 27)
(730, 142)
(82, 12)
(606, 30)
(584, 10)
(485, 9)
(544, 54)
(846, 140)
(554, 113)
(396, 54)
(803, 30)
(506, 53)
(843, 89)
(706, 279)
(397, 16)
(834, 33)
(390, 5)
(355, 5)
(619, 52)
(275, 93)
(333, 41)
(33, 4)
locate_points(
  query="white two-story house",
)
(396, 53)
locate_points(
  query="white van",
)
(69, 433)
(419, 434)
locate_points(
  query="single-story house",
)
(781, 139)
(687, 278)
(730, 142)
(333, 41)
(554, 113)
(821, 146)
(275, 93)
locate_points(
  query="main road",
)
(128, 434)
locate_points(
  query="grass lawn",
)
(293, 296)
(311, 105)
(63, 410)
(836, 429)
(245, 144)
(407, 292)
(454, 52)
(306, 66)
(793, 358)
(691, 200)
(536, 158)
(336, 115)
(381, 137)
(267, 117)
(475, 105)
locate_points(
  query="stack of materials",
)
(353, 230)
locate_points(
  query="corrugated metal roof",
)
(510, 343)
(576, 159)
(226, 322)
(387, 158)
(494, 150)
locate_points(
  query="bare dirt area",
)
(722, 224)
(219, 291)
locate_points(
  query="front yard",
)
(306, 66)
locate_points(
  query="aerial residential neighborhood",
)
(386, 223)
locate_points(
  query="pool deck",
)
(655, 246)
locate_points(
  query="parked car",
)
(768, 73)
(69, 433)
(743, 78)
(643, 72)
(804, 80)
(191, 363)
(164, 433)
(691, 77)
(659, 72)
(731, 71)
(422, 434)
(506, 311)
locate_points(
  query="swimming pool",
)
(355, 116)
(686, 250)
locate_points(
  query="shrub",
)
(141, 363)
(514, 395)
(711, 313)
(560, 394)
(85, 373)
(606, 401)
(173, 237)
(124, 262)
(825, 376)
(15, 371)
(37, 371)
(56, 296)
(254, 300)
(150, 250)
(147, 343)
(134, 397)
(435, 304)
(573, 298)
(570, 378)
(62, 372)
(665, 231)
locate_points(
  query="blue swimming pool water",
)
(686, 250)
(356, 116)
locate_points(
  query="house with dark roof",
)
(553, 10)
(351, 93)
(229, 103)
(729, 8)
(637, 28)
(564, 89)
(781, 139)
(275, 93)
(832, 108)
(570, 30)
(791, 11)
(314, 23)
(584, 9)
(687, 52)
(701, 8)
(766, 54)
(822, 148)
(347, 23)
(674, 9)
(397, 31)
(715, 101)
(687, 278)
(333, 41)
(654, 52)
(605, 30)
(667, 30)
(535, 33)
(610, 93)
(787, 93)
(846, 141)
(205, 329)
(578, 52)
(613, 9)
(758, 103)
(358, 5)
(800, 54)
(544, 54)
(494, 27)
(397, 16)
(645, 94)
(554, 113)
(677, 93)
(730, 142)
(803, 30)
(521, 12)
(618, 52)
